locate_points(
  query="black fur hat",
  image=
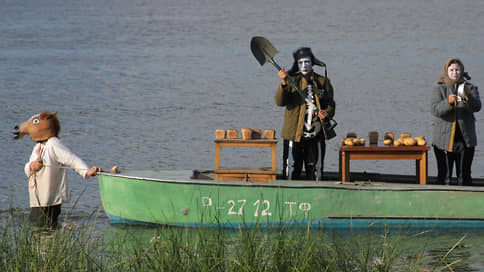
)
(304, 52)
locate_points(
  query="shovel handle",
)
(271, 60)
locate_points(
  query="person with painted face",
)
(303, 128)
(454, 101)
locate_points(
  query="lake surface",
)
(144, 84)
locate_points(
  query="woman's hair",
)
(457, 61)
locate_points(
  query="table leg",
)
(217, 156)
(345, 166)
(423, 168)
(418, 171)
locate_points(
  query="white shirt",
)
(48, 186)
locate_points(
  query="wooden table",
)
(263, 174)
(417, 153)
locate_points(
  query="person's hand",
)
(452, 99)
(92, 172)
(322, 114)
(283, 75)
(36, 166)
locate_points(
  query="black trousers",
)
(447, 160)
(285, 157)
(305, 152)
(45, 216)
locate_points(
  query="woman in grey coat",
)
(454, 101)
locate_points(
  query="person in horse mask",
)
(454, 101)
(46, 168)
(303, 127)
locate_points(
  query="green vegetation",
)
(123, 248)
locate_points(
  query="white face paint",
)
(305, 66)
(454, 71)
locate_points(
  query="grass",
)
(25, 248)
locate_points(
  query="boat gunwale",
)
(350, 218)
(338, 185)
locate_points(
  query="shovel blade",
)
(262, 49)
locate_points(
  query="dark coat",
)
(447, 115)
(287, 96)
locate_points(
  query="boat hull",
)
(171, 198)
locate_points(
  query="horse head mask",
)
(40, 127)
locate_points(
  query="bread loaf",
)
(246, 133)
(353, 141)
(409, 141)
(404, 135)
(256, 133)
(389, 135)
(388, 142)
(421, 140)
(349, 141)
(351, 135)
(269, 133)
(220, 134)
(232, 134)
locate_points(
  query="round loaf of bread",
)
(409, 141)
(349, 141)
(405, 135)
(421, 142)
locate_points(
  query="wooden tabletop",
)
(384, 148)
(245, 141)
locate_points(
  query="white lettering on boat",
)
(206, 201)
(236, 207)
(264, 212)
(241, 209)
(290, 207)
(306, 207)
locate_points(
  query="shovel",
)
(264, 51)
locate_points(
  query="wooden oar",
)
(264, 51)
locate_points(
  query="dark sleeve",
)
(286, 95)
(473, 103)
(327, 100)
(439, 106)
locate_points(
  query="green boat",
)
(194, 198)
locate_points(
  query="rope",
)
(114, 169)
(66, 167)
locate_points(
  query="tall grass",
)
(25, 248)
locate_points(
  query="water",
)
(144, 84)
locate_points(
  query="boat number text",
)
(262, 207)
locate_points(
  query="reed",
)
(82, 248)
(278, 249)
(25, 247)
